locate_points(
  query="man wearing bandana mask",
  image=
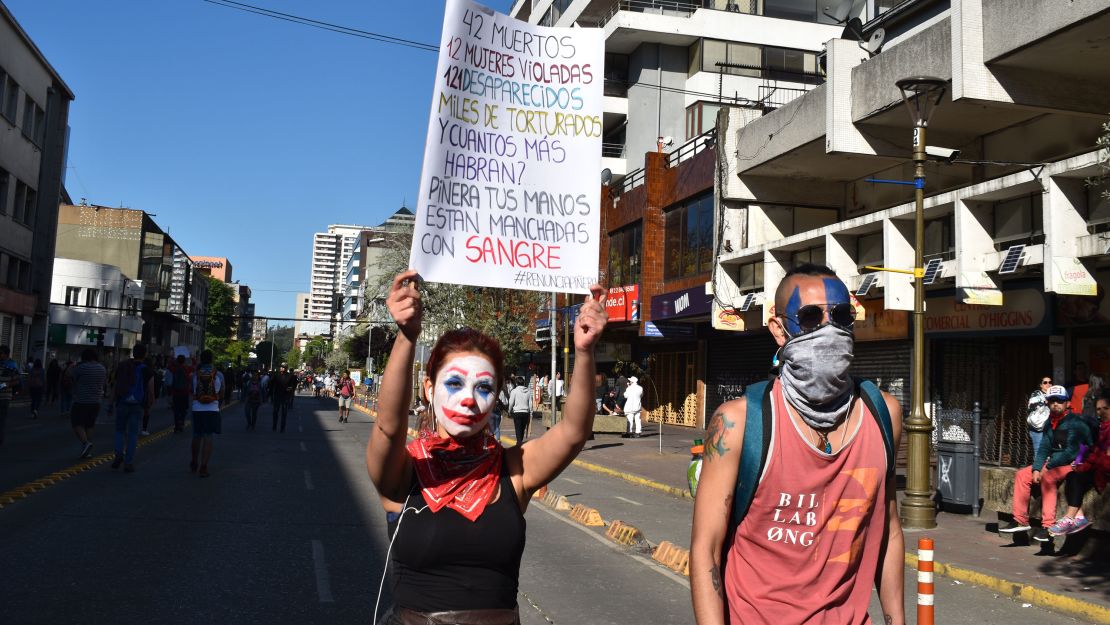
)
(823, 524)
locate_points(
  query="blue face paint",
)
(791, 313)
(836, 292)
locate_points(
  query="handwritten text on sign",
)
(509, 194)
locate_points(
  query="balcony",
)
(612, 158)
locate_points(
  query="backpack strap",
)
(758, 428)
(873, 398)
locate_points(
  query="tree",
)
(219, 320)
(293, 358)
(315, 352)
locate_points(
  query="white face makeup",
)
(464, 394)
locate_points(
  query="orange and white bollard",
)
(925, 586)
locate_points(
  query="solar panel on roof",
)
(868, 281)
(1012, 259)
(747, 302)
(932, 270)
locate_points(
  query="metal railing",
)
(772, 97)
(692, 148)
(632, 180)
(612, 150)
(660, 7)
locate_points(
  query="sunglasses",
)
(1046, 381)
(1057, 400)
(812, 316)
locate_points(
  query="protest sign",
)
(510, 190)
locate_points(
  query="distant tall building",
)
(258, 330)
(330, 252)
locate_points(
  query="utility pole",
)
(551, 331)
(566, 344)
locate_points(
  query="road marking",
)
(635, 503)
(308, 480)
(651, 564)
(323, 584)
(303, 448)
(572, 481)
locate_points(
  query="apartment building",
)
(97, 307)
(34, 118)
(330, 252)
(366, 266)
(1017, 223)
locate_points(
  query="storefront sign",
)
(1083, 310)
(733, 320)
(684, 303)
(623, 303)
(208, 264)
(1020, 310)
(668, 330)
(880, 324)
(1070, 277)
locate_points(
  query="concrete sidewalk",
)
(968, 549)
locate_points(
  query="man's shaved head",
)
(790, 282)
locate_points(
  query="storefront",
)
(674, 351)
(1084, 323)
(883, 351)
(993, 355)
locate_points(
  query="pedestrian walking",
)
(53, 381)
(252, 399)
(134, 390)
(520, 409)
(36, 384)
(633, 407)
(208, 384)
(283, 385)
(822, 526)
(345, 389)
(9, 379)
(1092, 469)
(179, 381)
(455, 492)
(65, 388)
(88, 379)
(1054, 460)
(1038, 412)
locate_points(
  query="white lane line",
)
(308, 480)
(303, 448)
(323, 583)
(635, 503)
(651, 564)
(572, 481)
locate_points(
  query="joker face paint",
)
(464, 394)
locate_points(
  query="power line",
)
(336, 28)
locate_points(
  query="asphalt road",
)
(288, 530)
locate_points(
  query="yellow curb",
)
(587, 516)
(635, 479)
(1024, 592)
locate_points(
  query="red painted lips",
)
(463, 418)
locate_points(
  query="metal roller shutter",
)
(888, 363)
(733, 362)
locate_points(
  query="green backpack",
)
(759, 427)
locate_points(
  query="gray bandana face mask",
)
(814, 375)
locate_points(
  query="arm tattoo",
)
(718, 426)
(715, 575)
(888, 618)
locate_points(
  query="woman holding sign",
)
(454, 498)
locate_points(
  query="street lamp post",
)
(921, 95)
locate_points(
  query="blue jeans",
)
(495, 424)
(1036, 437)
(128, 419)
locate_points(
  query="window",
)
(11, 98)
(18, 274)
(869, 250)
(1018, 221)
(801, 10)
(23, 209)
(815, 255)
(1098, 208)
(940, 238)
(34, 121)
(91, 297)
(688, 238)
(5, 182)
(700, 117)
(746, 59)
(751, 277)
(789, 64)
(625, 254)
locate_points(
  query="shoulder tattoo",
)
(719, 425)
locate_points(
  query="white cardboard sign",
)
(510, 189)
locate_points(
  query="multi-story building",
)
(218, 267)
(34, 118)
(365, 269)
(669, 69)
(174, 296)
(259, 328)
(330, 252)
(1016, 220)
(244, 323)
(97, 306)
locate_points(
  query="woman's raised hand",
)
(591, 319)
(404, 304)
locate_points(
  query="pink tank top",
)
(807, 550)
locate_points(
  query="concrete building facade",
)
(96, 304)
(34, 118)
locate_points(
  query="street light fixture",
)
(922, 95)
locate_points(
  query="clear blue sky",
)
(242, 133)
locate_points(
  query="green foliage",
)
(315, 353)
(219, 322)
(293, 358)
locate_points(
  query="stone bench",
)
(997, 490)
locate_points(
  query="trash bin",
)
(958, 456)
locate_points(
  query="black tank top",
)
(442, 561)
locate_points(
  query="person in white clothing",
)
(633, 406)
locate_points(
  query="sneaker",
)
(1079, 525)
(144, 433)
(1061, 527)
(1041, 535)
(1013, 527)
(117, 461)
(128, 468)
(86, 451)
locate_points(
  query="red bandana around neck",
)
(462, 476)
